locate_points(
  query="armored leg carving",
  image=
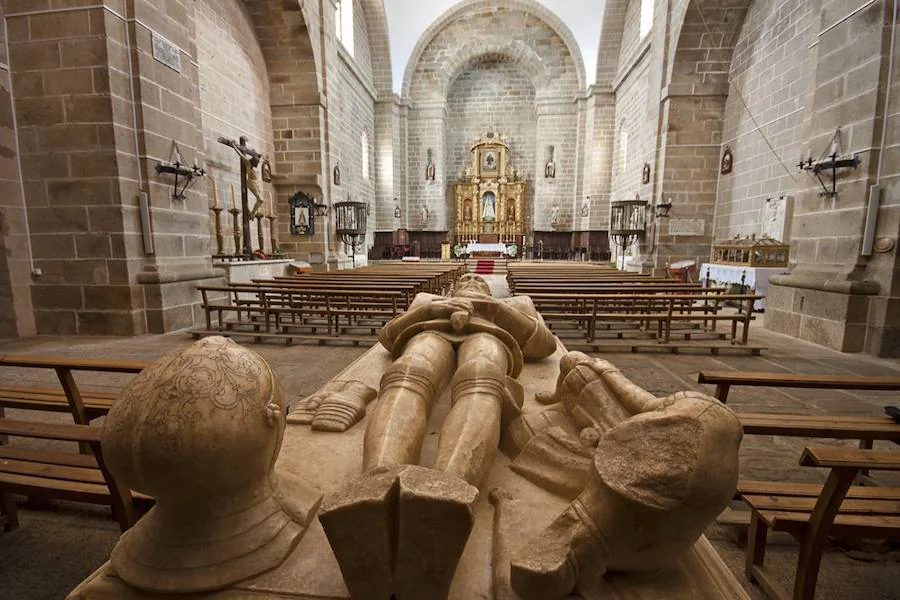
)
(396, 426)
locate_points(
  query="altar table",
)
(755, 278)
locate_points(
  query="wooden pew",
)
(84, 405)
(63, 475)
(812, 513)
(723, 380)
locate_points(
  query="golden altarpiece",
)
(490, 198)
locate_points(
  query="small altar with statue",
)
(490, 198)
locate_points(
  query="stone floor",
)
(57, 546)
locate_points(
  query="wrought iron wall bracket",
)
(832, 164)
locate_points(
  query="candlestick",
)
(273, 235)
(215, 193)
(271, 203)
(233, 199)
(236, 231)
(259, 233)
(220, 239)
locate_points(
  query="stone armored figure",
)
(646, 476)
(400, 529)
(199, 431)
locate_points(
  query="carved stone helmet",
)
(199, 431)
(471, 284)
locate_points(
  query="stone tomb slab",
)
(327, 460)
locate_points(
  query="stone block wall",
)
(516, 47)
(234, 101)
(73, 159)
(772, 69)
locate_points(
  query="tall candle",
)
(271, 204)
(215, 192)
(233, 201)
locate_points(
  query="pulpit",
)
(490, 197)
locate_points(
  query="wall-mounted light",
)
(828, 163)
(177, 166)
(663, 208)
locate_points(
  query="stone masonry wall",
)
(72, 157)
(234, 100)
(492, 91)
(772, 68)
(483, 34)
(351, 112)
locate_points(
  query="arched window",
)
(343, 20)
(364, 140)
(646, 17)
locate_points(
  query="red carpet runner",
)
(484, 267)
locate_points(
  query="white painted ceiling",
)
(408, 20)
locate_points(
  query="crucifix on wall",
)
(250, 159)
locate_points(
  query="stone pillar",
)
(833, 296)
(429, 123)
(691, 138)
(69, 71)
(557, 126)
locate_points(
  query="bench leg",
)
(756, 545)
(8, 509)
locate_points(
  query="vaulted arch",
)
(528, 7)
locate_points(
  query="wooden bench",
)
(723, 380)
(63, 475)
(84, 405)
(812, 513)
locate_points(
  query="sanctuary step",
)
(488, 266)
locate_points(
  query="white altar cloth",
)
(478, 247)
(755, 278)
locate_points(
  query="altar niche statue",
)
(467, 210)
(249, 161)
(511, 211)
(554, 215)
(550, 168)
(423, 214)
(429, 168)
(489, 207)
(266, 170)
(384, 525)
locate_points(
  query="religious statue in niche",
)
(266, 170)
(467, 210)
(727, 161)
(423, 215)
(554, 215)
(429, 168)
(337, 175)
(511, 210)
(397, 212)
(585, 207)
(489, 161)
(489, 207)
(302, 220)
(645, 176)
(550, 167)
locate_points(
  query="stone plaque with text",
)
(687, 227)
(166, 52)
